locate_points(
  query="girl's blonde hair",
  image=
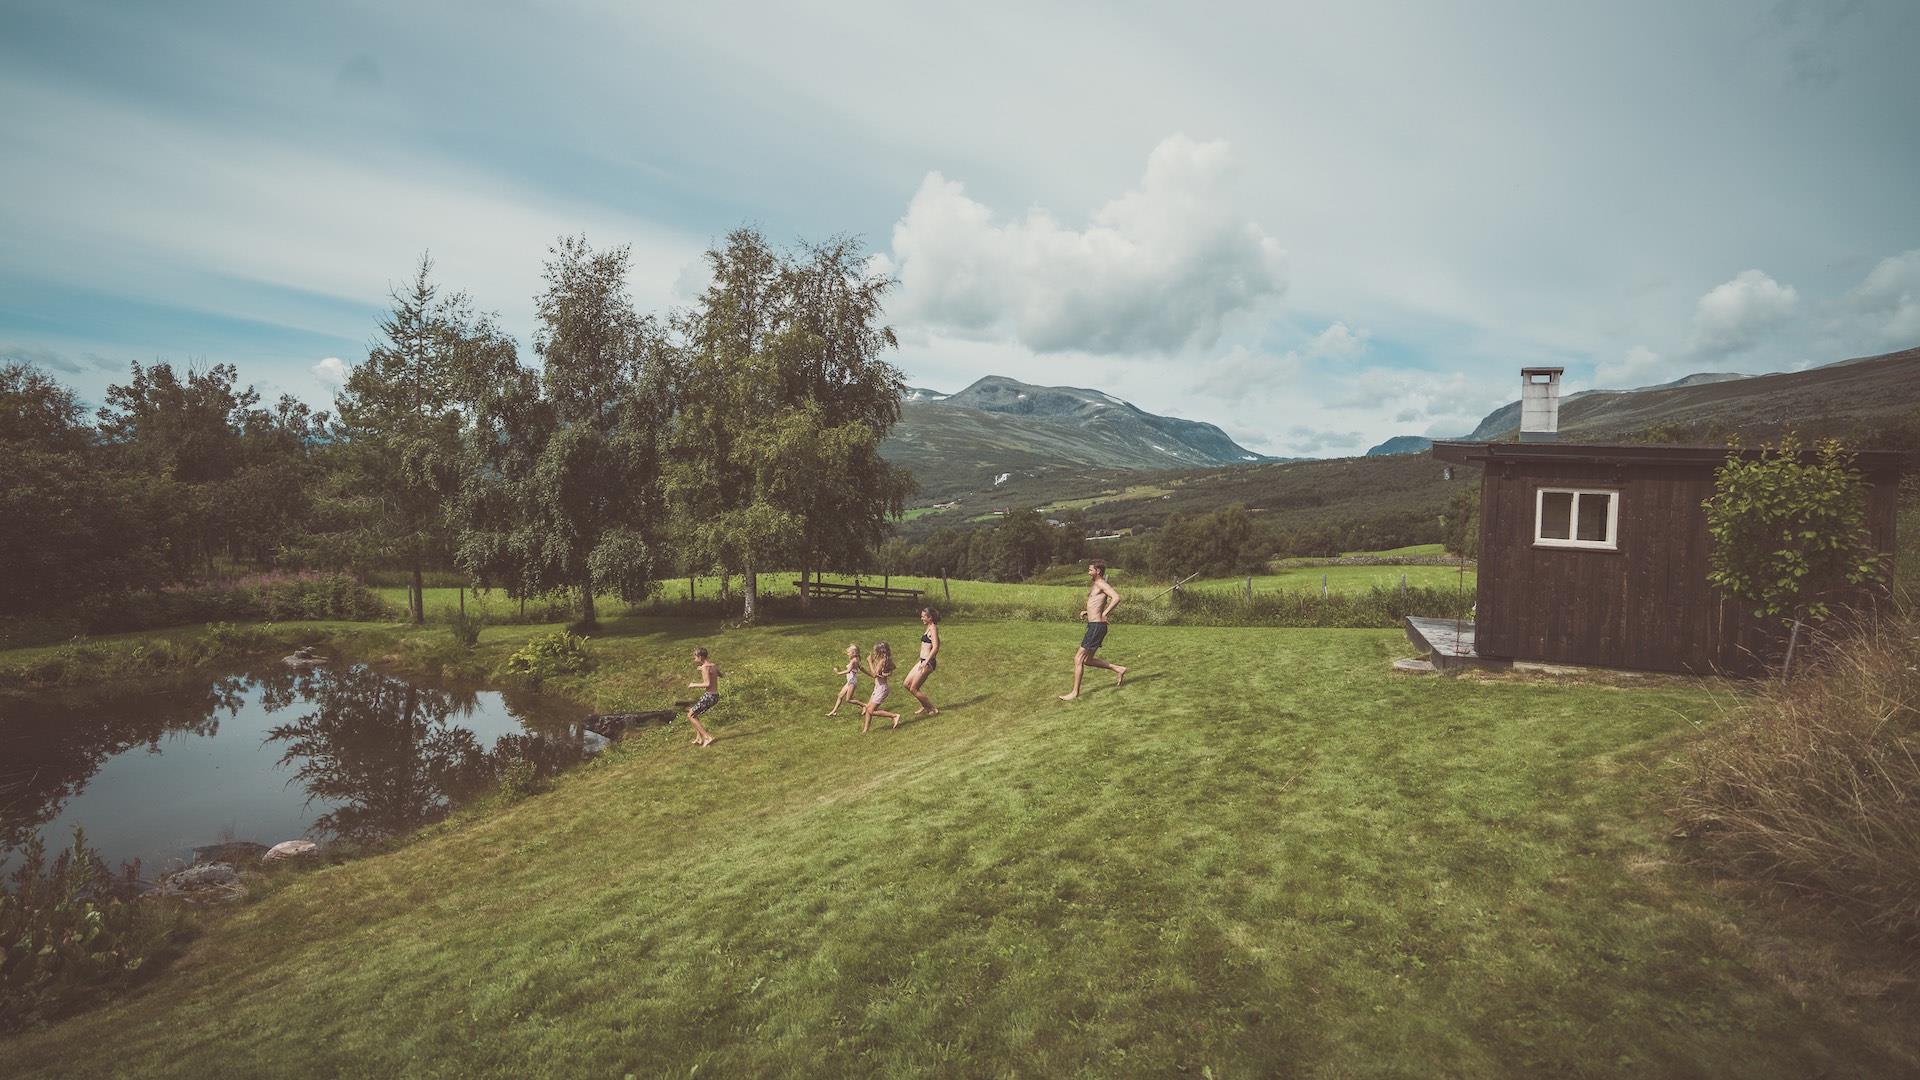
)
(885, 653)
(854, 649)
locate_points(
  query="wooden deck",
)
(1447, 642)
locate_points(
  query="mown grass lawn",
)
(1266, 855)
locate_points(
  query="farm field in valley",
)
(1265, 854)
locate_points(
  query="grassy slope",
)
(1328, 869)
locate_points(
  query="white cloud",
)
(1633, 369)
(1731, 315)
(1890, 298)
(1157, 269)
(332, 371)
(1337, 341)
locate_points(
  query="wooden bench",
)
(857, 593)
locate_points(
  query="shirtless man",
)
(1101, 600)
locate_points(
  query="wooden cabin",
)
(1598, 555)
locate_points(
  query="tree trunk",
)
(417, 597)
(750, 589)
(588, 619)
(806, 575)
(1793, 640)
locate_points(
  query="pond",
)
(339, 751)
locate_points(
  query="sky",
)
(1315, 225)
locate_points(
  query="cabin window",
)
(1576, 518)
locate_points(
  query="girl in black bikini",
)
(929, 659)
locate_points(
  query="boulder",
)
(611, 725)
(592, 742)
(232, 852)
(304, 656)
(205, 881)
(290, 849)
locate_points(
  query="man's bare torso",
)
(1097, 602)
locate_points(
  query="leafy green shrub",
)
(547, 656)
(1789, 533)
(1811, 783)
(73, 931)
(466, 627)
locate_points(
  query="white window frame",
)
(1611, 543)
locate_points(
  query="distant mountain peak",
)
(999, 423)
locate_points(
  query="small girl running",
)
(880, 666)
(852, 672)
(710, 683)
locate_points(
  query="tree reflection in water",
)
(51, 745)
(387, 751)
(379, 754)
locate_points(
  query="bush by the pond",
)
(466, 627)
(73, 930)
(549, 655)
(1814, 783)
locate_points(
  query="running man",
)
(1101, 600)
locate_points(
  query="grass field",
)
(1066, 596)
(1266, 855)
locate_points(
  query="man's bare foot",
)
(1069, 697)
(1119, 674)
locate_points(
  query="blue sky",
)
(1315, 225)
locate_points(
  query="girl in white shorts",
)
(880, 666)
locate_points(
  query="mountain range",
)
(998, 427)
(1003, 442)
(1863, 388)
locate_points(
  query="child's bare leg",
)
(1079, 669)
(844, 695)
(700, 736)
(1119, 672)
(866, 718)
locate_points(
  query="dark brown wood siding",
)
(1646, 605)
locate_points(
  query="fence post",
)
(463, 600)
(1323, 586)
(1249, 588)
(945, 589)
(1403, 584)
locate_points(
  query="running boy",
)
(710, 684)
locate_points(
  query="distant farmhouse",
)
(1598, 555)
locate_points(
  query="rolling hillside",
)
(1851, 391)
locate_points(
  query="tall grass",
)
(1814, 783)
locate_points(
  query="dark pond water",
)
(342, 751)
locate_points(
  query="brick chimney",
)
(1540, 404)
